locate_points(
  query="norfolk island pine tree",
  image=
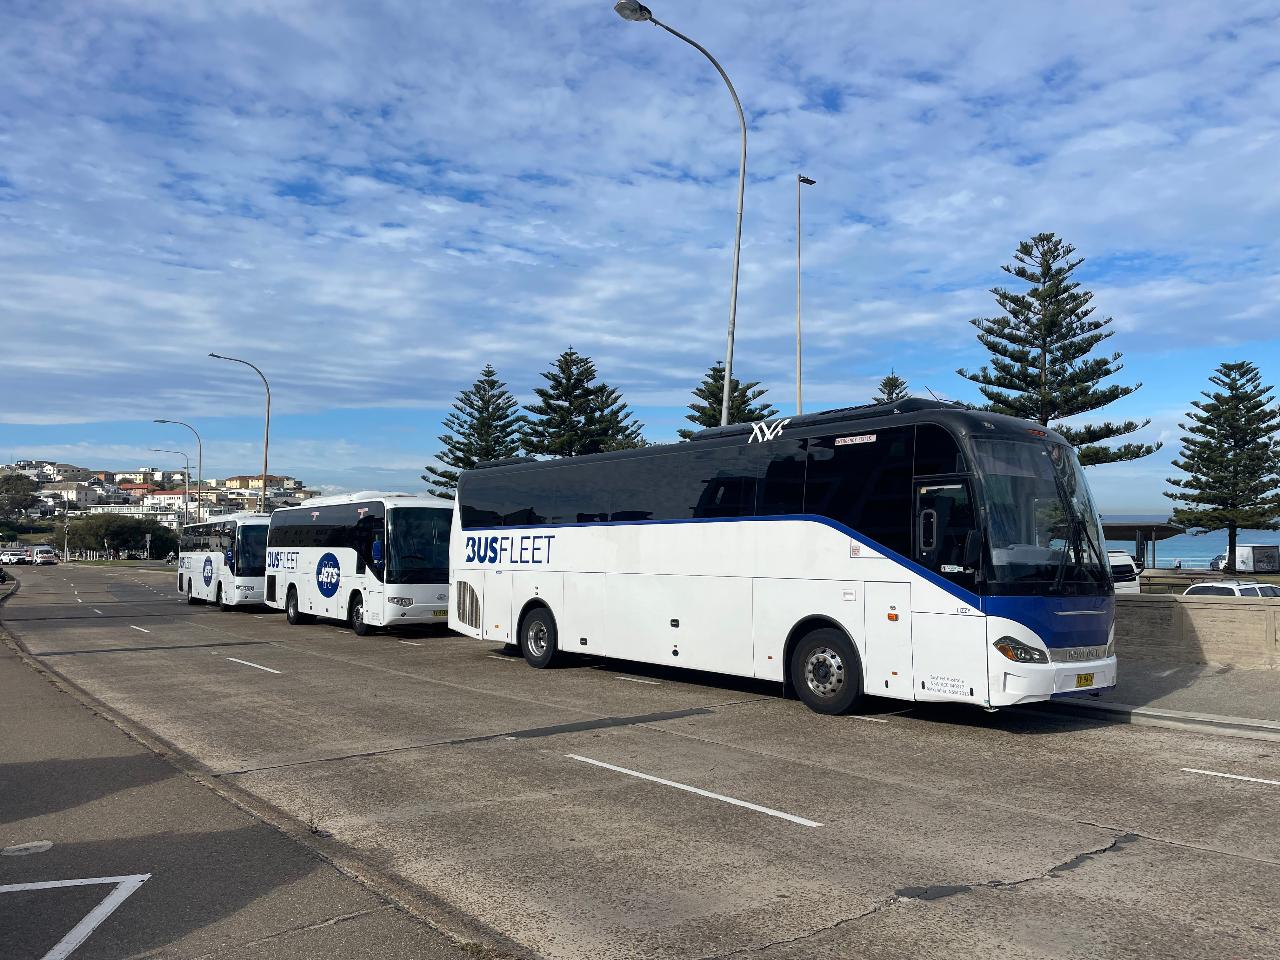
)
(891, 389)
(484, 425)
(708, 399)
(576, 414)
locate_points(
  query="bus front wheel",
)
(825, 671)
(538, 638)
(222, 605)
(291, 612)
(356, 617)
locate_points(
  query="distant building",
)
(79, 493)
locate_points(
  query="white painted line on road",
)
(702, 793)
(125, 886)
(248, 664)
(98, 612)
(868, 719)
(409, 643)
(638, 680)
(139, 629)
(1231, 776)
(494, 656)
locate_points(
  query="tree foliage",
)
(892, 389)
(17, 495)
(1231, 457)
(708, 399)
(577, 414)
(1041, 368)
(484, 425)
(111, 531)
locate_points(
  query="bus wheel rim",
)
(824, 672)
(357, 612)
(535, 638)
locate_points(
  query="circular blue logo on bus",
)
(208, 571)
(328, 574)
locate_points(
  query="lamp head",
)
(632, 10)
(807, 181)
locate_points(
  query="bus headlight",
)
(1019, 652)
(401, 601)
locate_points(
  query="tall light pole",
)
(186, 498)
(266, 434)
(199, 466)
(638, 13)
(800, 179)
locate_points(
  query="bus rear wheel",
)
(356, 617)
(292, 614)
(192, 600)
(825, 671)
(538, 638)
(222, 605)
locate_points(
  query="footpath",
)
(109, 851)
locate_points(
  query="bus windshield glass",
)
(252, 561)
(1043, 529)
(418, 545)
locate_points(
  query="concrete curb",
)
(1244, 727)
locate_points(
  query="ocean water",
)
(1194, 551)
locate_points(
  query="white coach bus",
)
(368, 559)
(223, 561)
(920, 551)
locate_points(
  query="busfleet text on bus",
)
(919, 551)
(223, 561)
(368, 559)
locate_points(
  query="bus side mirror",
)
(230, 558)
(973, 549)
(377, 553)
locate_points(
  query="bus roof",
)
(391, 499)
(873, 416)
(246, 517)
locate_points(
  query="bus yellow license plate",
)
(445, 613)
(1084, 680)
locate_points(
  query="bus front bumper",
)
(1013, 683)
(418, 613)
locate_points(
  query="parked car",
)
(1232, 588)
(1218, 562)
(14, 557)
(1124, 572)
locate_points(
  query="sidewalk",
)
(159, 865)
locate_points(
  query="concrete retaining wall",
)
(1240, 631)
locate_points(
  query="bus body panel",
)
(328, 576)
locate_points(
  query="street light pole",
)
(186, 497)
(638, 12)
(800, 178)
(266, 434)
(199, 466)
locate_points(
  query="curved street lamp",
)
(199, 465)
(186, 499)
(266, 434)
(639, 13)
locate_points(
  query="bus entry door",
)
(887, 626)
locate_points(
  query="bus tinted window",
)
(780, 478)
(937, 452)
(418, 545)
(865, 485)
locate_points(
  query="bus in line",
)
(368, 559)
(223, 561)
(919, 551)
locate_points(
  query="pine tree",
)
(484, 425)
(1040, 364)
(892, 389)
(1231, 455)
(708, 398)
(576, 414)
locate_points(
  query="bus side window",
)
(865, 484)
(780, 478)
(944, 519)
(937, 452)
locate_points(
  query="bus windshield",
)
(418, 545)
(1043, 529)
(252, 550)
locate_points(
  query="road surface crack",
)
(301, 928)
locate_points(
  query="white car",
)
(1124, 572)
(12, 556)
(1232, 588)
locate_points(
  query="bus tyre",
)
(219, 601)
(356, 617)
(825, 671)
(291, 612)
(192, 600)
(538, 638)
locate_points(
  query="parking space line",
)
(409, 643)
(98, 612)
(257, 665)
(854, 716)
(139, 629)
(638, 680)
(1231, 776)
(702, 793)
(125, 886)
(494, 656)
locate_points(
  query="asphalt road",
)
(604, 810)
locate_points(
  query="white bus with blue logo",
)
(224, 561)
(920, 551)
(368, 559)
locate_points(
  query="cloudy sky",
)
(372, 200)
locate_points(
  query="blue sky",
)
(371, 201)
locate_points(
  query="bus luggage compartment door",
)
(887, 626)
(496, 607)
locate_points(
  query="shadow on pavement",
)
(37, 788)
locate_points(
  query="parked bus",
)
(224, 561)
(920, 551)
(369, 559)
